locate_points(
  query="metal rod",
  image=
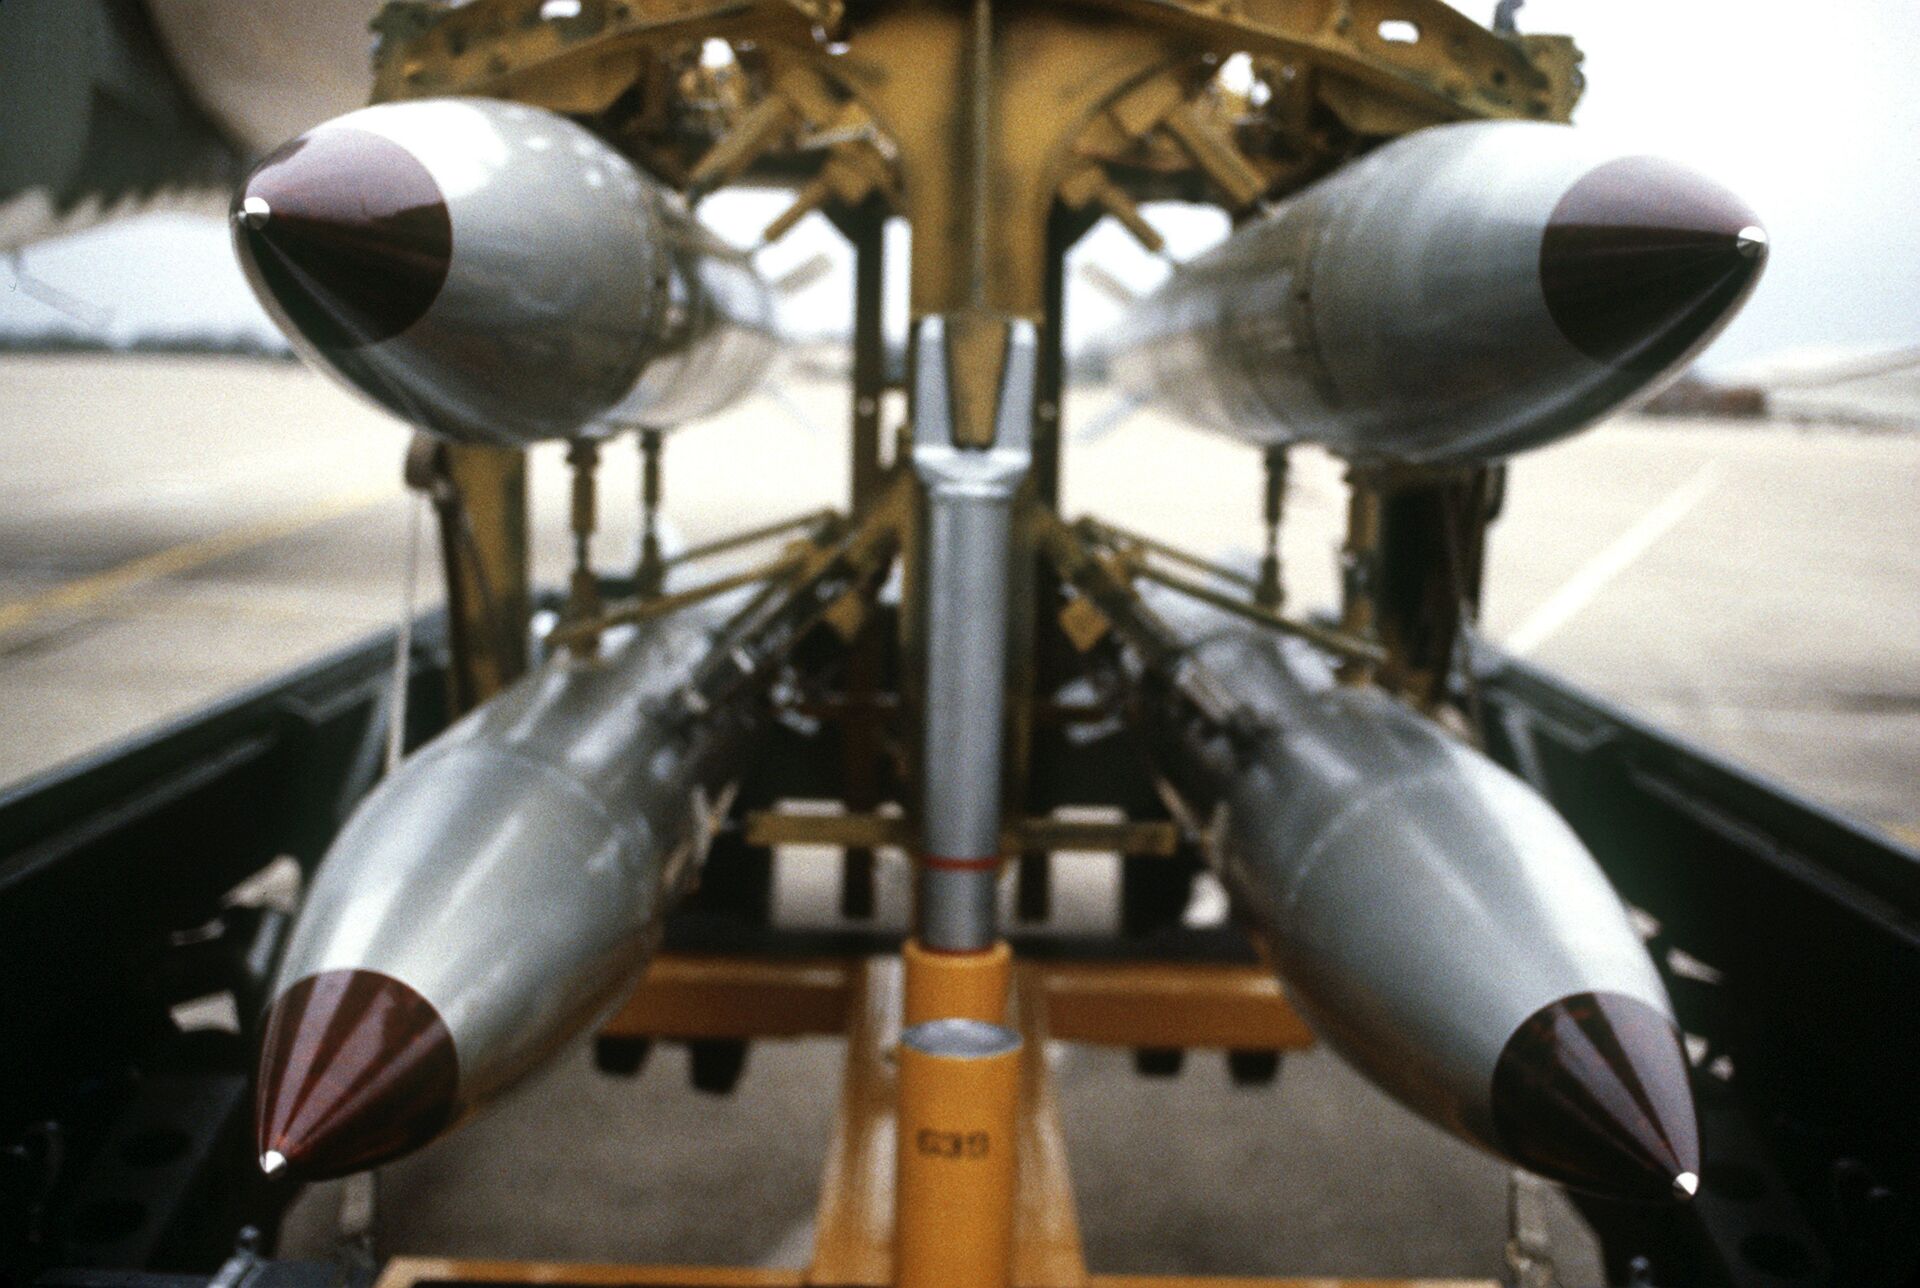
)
(1336, 642)
(867, 230)
(1269, 593)
(1153, 838)
(1111, 534)
(573, 632)
(721, 545)
(583, 598)
(835, 566)
(479, 498)
(650, 576)
(861, 744)
(980, 161)
(427, 473)
(1359, 570)
(1041, 665)
(1104, 584)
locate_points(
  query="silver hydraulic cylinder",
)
(969, 496)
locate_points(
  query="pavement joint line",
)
(1115, 414)
(1592, 577)
(184, 557)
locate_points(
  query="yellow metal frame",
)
(695, 996)
(426, 1272)
(1156, 838)
(1133, 1004)
(981, 123)
(1130, 1004)
(991, 126)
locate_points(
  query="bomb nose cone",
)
(1642, 258)
(253, 212)
(356, 1069)
(345, 234)
(1592, 1092)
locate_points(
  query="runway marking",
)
(795, 412)
(174, 560)
(1111, 417)
(1592, 577)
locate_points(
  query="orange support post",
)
(957, 1155)
(964, 986)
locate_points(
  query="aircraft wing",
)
(131, 106)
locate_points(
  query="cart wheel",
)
(1253, 1068)
(621, 1057)
(1158, 1062)
(856, 884)
(1153, 893)
(737, 880)
(717, 1064)
(1034, 897)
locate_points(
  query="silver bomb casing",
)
(493, 272)
(492, 897)
(1425, 908)
(1461, 293)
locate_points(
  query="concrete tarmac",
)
(172, 529)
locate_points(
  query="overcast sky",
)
(1812, 113)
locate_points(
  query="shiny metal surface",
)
(267, 72)
(1421, 903)
(968, 518)
(1395, 310)
(960, 1039)
(514, 871)
(579, 296)
(957, 907)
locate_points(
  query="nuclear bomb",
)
(1435, 920)
(495, 273)
(1460, 294)
(492, 897)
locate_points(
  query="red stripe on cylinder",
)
(940, 863)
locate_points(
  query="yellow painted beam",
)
(423, 1272)
(410, 1272)
(1230, 1281)
(1169, 1005)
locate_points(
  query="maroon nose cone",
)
(356, 1069)
(344, 236)
(1592, 1092)
(1643, 259)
